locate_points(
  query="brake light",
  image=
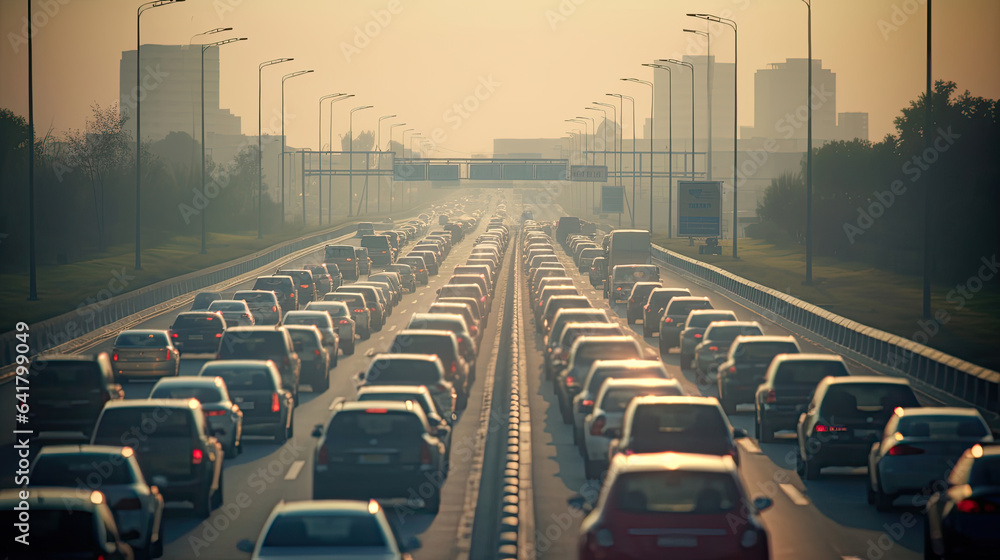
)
(359, 310)
(483, 299)
(904, 449)
(597, 428)
(274, 309)
(214, 412)
(128, 503)
(348, 260)
(316, 352)
(167, 358)
(115, 357)
(587, 402)
(474, 330)
(303, 285)
(425, 454)
(454, 367)
(174, 335)
(825, 428)
(570, 380)
(732, 369)
(344, 322)
(376, 411)
(292, 294)
(275, 405)
(218, 335)
(383, 252)
(971, 505)
(713, 348)
(669, 320)
(539, 304)
(196, 456)
(696, 335)
(323, 457)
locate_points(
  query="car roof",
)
(733, 324)
(938, 410)
(255, 328)
(150, 403)
(666, 400)
(811, 358)
(639, 382)
(671, 461)
(386, 357)
(306, 312)
(763, 338)
(426, 332)
(54, 498)
(394, 389)
(189, 380)
(323, 506)
(862, 379)
(201, 312)
(82, 448)
(394, 406)
(437, 317)
(627, 364)
(692, 298)
(235, 363)
(151, 331)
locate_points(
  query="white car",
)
(600, 370)
(604, 423)
(918, 447)
(236, 312)
(316, 529)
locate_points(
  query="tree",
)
(784, 205)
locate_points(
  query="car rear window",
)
(154, 421)
(403, 372)
(304, 340)
(58, 531)
(256, 298)
(249, 345)
(617, 400)
(204, 394)
(226, 306)
(763, 351)
(68, 469)
(571, 334)
(807, 372)
(374, 422)
(941, 426)
(57, 376)
(375, 241)
(702, 320)
(591, 351)
(332, 310)
(341, 252)
(321, 321)
(141, 340)
(325, 531)
(440, 346)
(246, 379)
(197, 321)
(665, 491)
(662, 297)
(678, 422)
(729, 333)
(622, 373)
(685, 307)
(636, 273)
(850, 401)
(436, 325)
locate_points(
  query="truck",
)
(627, 246)
(567, 225)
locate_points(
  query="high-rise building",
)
(852, 126)
(781, 101)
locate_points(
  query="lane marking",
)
(295, 469)
(749, 445)
(794, 495)
(370, 352)
(392, 328)
(380, 338)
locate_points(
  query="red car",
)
(673, 505)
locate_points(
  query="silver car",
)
(224, 417)
(234, 311)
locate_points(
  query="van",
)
(343, 256)
(282, 285)
(365, 228)
(380, 250)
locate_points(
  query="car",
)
(844, 417)
(587, 257)
(585, 351)
(548, 292)
(265, 343)
(746, 366)
(598, 272)
(374, 300)
(235, 312)
(600, 370)
(360, 312)
(328, 529)
(197, 332)
(673, 505)
(789, 383)
(480, 280)
(305, 284)
(466, 307)
(406, 275)
(429, 258)
(558, 353)
(283, 285)
(203, 299)
(604, 422)
(440, 421)
(322, 278)
(546, 285)
(364, 261)
(393, 280)
(378, 449)
(336, 277)
(411, 369)
(962, 516)
(263, 304)
(679, 424)
(652, 312)
(315, 357)
(65, 523)
(379, 249)
(637, 298)
(384, 293)
(343, 256)
(327, 329)
(546, 271)
(365, 228)
(556, 303)
(178, 454)
(69, 391)
(137, 507)
(224, 417)
(624, 276)
(479, 270)
(674, 318)
(444, 345)
(918, 447)
(340, 315)
(418, 266)
(257, 389)
(144, 353)
(693, 330)
(714, 346)
(456, 324)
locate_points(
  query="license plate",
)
(246, 405)
(194, 337)
(865, 433)
(373, 459)
(677, 542)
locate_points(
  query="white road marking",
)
(381, 338)
(370, 352)
(749, 445)
(392, 328)
(295, 469)
(794, 495)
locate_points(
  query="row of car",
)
(839, 419)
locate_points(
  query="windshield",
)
(676, 492)
(636, 273)
(617, 400)
(941, 426)
(141, 340)
(243, 378)
(68, 469)
(204, 393)
(325, 531)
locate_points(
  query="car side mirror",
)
(762, 502)
(580, 503)
(245, 545)
(317, 431)
(438, 291)
(739, 433)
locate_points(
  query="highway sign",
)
(410, 172)
(612, 200)
(484, 171)
(550, 172)
(589, 173)
(442, 172)
(699, 208)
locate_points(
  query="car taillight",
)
(539, 304)
(474, 330)
(425, 454)
(597, 428)
(383, 252)
(587, 402)
(292, 294)
(669, 320)
(771, 397)
(127, 503)
(218, 335)
(196, 456)
(905, 450)
(696, 335)
(174, 335)
(972, 505)
(454, 367)
(275, 405)
(214, 412)
(348, 260)
(303, 285)
(732, 369)
(323, 457)
(483, 299)
(359, 310)
(570, 380)
(316, 352)
(344, 322)
(713, 348)
(274, 309)
(115, 357)
(167, 357)
(376, 410)
(825, 428)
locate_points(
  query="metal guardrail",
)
(63, 328)
(975, 385)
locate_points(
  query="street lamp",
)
(283, 79)
(809, 152)
(392, 178)
(732, 24)
(409, 187)
(138, 134)
(403, 141)
(691, 66)
(593, 153)
(670, 143)
(319, 146)
(651, 99)
(583, 149)
(632, 100)
(614, 139)
(205, 209)
(709, 70)
(260, 160)
(378, 147)
(329, 193)
(350, 157)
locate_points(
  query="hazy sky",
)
(534, 62)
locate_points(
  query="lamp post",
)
(409, 188)
(614, 139)
(732, 24)
(392, 178)
(631, 100)
(670, 144)
(691, 66)
(604, 149)
(283, 79)
(709, 70)
(928, 178)
(378, 147)
(809, 150)
(403, 141)
(204, 210)
(260, 147)
(586, 132)
(319, 148)
(32, 268)
(593, 153)
(329, 193)
(138, 131)
(350, 157)
(651, 100)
